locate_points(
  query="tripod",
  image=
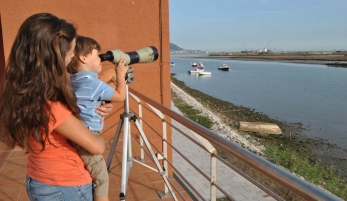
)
(127, 157)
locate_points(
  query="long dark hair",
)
(36, 74)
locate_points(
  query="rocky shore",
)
(226, 116)
(219, 126)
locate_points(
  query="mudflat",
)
(335, 59)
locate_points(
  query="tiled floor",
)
(143, 183)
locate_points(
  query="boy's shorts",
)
(96, 166)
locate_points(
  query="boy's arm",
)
(119, 93)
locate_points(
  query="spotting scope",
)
(143, 55)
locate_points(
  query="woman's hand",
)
(104, 110)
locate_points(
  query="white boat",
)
(172, 63)
(197, 70)
(204, 73)
(224, 67)
(199, 65)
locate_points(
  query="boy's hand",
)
(121, 68)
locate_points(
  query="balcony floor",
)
(143, 184)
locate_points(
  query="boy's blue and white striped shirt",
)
(90, 91)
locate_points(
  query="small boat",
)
(197, 70)
(224, 67)
(204, 73)
(172, 63)
(199, 65)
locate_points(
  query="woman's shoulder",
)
(59, 112)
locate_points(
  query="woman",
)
(38, 111)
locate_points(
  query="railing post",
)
(164, 153)
(282, 177)
(213, 189)
(166, 190)
(142, 152)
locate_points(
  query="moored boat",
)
(197, 70)
(204, 73)
(172, 63)
(224, 67)
(199, 65)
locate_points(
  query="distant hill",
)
(174, 47)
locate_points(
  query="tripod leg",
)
(160, 169)
(126, 159)
(115, 140)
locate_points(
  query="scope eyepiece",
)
(108, 56)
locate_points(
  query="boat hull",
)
(193, 72)
(204, 73)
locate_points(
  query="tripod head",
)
(129, 77)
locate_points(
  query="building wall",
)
(127, 25)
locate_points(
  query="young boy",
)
(90, 92)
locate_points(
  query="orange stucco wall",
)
(127, 25)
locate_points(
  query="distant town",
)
(178, 50)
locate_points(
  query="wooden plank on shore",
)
(260, 127)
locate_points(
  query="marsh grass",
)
(202, 120)
(309, 170)
(194, 114)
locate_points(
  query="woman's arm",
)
(73, 129)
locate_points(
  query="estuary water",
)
(312, 94)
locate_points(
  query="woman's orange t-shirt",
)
(60, 164)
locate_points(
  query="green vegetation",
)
(283, 150)
(193, 114)
(311, 171)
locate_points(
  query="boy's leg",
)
(96, 166)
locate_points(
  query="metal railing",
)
(204, 138)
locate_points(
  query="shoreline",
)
(339, 62)
(293, 136)
(218, 126)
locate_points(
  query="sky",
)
(236, 25)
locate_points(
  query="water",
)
(312, 94)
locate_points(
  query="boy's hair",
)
(84, 46)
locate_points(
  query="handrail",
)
(284, 178)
